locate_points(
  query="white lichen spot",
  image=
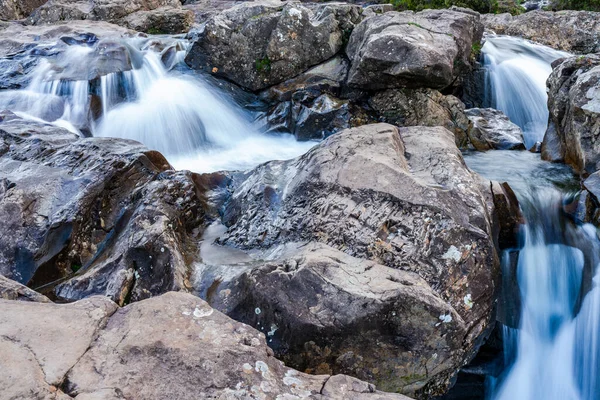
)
(452, 254)
(273, 330)
(199, 313)
(262, 367)
(294, 12)
(446, 318)
(266, 386)
(434, 356)
(162, 249)
(247, 368)
(187, 313)
(468, 301)
(257, 311)
(290, 379)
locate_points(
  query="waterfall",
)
(516, 73)
(194, 124)
(552, 350)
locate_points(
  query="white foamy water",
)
(192, 123)
(516, 72)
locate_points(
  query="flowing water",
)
(195, 125)
(552, 352)
(516, 82)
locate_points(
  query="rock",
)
(426, 49)
(105, 10)
(491, 129)
(376, 9)
(22, 47)
(508, 215)
(11, 290)
(592, 202)
(92, 216)
(174, 345)
(325, 116)
(428, 107)
(373, 195)
(18, 9)
(257, 45)
(574, 31)
(46, 340)
(574, 103)
(163, 20)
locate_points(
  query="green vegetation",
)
(75, 267)
(476, 49)
(263, 65)
(154, 31)
(583, 5)
(482, 6)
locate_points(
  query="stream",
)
(551, 348)
(552, 338)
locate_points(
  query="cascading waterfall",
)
(192, 123)
(516, 73)
(553, 351)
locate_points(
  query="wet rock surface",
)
(373, 203)
(574, 31)
(426, 49)
(573, 133)
(174, 345)
(92, 216)
(262, 44)
(491, 129)
(22, 47)
(161, 20)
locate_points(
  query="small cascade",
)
(516, 73)
(136, 93)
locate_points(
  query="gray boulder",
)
(574, 31)
(491, 129)
(11, 290)
(99, 10)
(373, 204)
(172, 346)
(163, 20)
(92, 216)
(592, 200)
(427, 107)
(257, 45)
(426, 49)
(573, 133)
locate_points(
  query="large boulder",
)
(427, 107)
(172, 346)
(384, 265)
(491, 129)
(92, 216)
(592, 201)
(257, 45)
(573, 133)
(574, 31)
(425, 49)
(161, 20)
(11, 290)
(100, 10)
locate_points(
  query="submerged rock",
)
(573, 133)
(172, 346)
(491, 129)
(428, 107)
(92, 216)
(263, 44)
(394, 258)
(574, 31)
(425, 49)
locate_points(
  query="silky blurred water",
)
(516, 74)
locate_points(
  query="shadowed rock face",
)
(573, 133)
(575, 31)
(259, 45)
(382, 263)
(426, 49)
(171, 346)
(92, 216)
